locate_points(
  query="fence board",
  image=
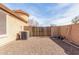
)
(40, 31)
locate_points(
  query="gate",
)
(40, 31)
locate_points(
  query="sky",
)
(48, 13)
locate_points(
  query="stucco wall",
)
(13, 26)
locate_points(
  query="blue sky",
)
(48, 13)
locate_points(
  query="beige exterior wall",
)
(13, 26)
(24, 17)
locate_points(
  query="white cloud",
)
(41, 21)
(36, 19)
(62, 21)
(73, 11)
(67, 16)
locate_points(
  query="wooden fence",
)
(40, 31)
(70, 32)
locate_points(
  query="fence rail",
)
(70, 32)
(40, 31)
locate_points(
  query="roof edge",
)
(6, 9)
(22, 12)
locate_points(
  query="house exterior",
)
(11, 23)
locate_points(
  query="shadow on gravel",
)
(68, 49)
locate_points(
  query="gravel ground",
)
(34, 46)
